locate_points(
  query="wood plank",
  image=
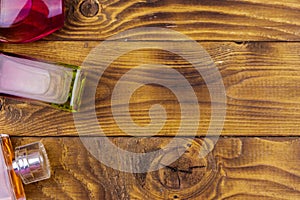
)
(237, 168)
(261, 81)
(242, 20)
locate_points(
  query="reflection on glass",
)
(29, 163)
(29, 20)
(58, 84)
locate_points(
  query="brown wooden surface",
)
(261, 81)
(202, 20)
(238, 168)
(254, 44)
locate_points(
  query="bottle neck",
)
(31, 163)
(25, 165)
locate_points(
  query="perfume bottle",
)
(29, 164)
(28, 20)
(58, 85)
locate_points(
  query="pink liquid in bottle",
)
(28, 20)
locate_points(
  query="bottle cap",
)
(31, 163)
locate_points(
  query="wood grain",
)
(224, 20)
(237, 168)
(261, 81)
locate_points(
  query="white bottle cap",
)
(31, 163)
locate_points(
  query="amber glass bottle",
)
(29, 164)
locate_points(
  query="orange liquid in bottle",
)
(9, 157)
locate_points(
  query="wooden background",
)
(255, 45)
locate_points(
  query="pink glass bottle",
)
(29, 164)
(29, 20)
(55, 84)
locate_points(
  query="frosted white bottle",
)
(56, 84)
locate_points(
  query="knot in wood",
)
(189, 170)
(89, 8)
